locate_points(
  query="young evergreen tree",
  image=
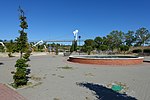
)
(73, 46)
(20, 76)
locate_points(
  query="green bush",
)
(124, 48)
(137, 51)
(20, 77)
(56, 50)
(146, 50)
(2, 49)
(103, 47)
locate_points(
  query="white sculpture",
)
(41, 41)
(2, 44)
(75, 34)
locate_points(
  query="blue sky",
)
(57, 19)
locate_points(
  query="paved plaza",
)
(54, 78)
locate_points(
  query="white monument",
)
(75, 34)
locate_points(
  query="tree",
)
(103, 47)
(22, 39)
(98, 42)
(89, 49)
(142, 36)
(10, 47)
(73, 46)
(20, 76)
(129, 38)
(115, 38)
(110, 42)
(90, 42)
(57, 49)
(124, 48)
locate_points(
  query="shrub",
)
(137, 51)
(2, 49)
(56, 50)
(103, 47)
(20, 77)
(124, 48)
(146, 50)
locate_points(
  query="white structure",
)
(41, 41)
(75, 34)
(2, 44)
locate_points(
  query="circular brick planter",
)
(109, 60)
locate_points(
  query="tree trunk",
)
(20, 54)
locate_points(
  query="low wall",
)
(130, 61)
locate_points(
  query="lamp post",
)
(79, 44)
(75, 39)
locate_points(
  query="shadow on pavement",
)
(103, 93)
(146, 61)
(1, 63)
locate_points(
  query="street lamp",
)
(79, 44)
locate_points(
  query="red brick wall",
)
(107, 61)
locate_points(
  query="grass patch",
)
(89, 74)
(65, 67)
(35, 78)
(54, 74)
(56, 99)
(32, 86)
(60, 76)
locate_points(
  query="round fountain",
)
(106, 60)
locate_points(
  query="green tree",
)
(73, 46)
(20, 76)
(88, 46)
(103, 47)
(110, 42)
(130, 38)
(56, 50)
(98, 42)
(115, 39)
(22, 39)
(142, 36)
(90, 42)
(10, 47)
(89, 49)
(124, 48)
